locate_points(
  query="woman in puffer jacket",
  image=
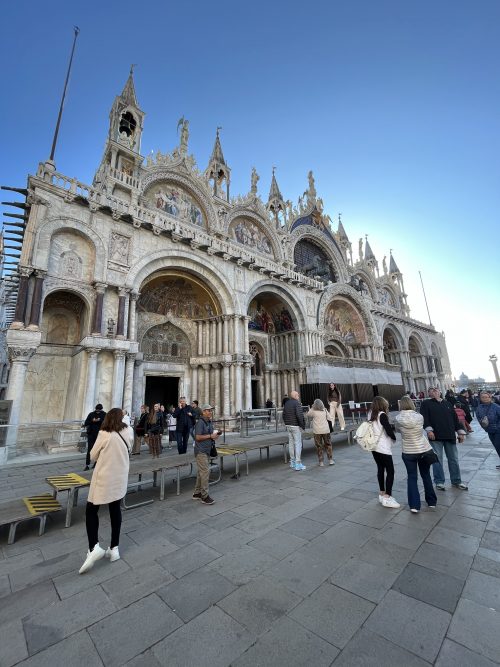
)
(416, 454)
(487, 408)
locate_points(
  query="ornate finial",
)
(219, 127)
(366, 237)
(340, 218)
(132, 68)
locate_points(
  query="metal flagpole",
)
(425, 298)
(56, 132)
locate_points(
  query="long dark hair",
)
(379, 405)
(113, 421)
(333, 393)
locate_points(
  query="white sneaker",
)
(112, 553)
(331, 462)
(92, 557)
(414, 511)
(389, 501)
(321, 465)
(381, 498)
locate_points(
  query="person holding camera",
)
(205, 437)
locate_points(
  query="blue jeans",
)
(451, 452)
(412, 463)
(294, 442)
(495, 441)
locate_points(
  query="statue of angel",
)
(183, 124)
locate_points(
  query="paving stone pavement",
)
(286, 568)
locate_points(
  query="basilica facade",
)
(155, 282)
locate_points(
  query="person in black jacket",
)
(140, 430)
(93, 424)
(155, 426)
(293, 417)
(184, 420)
(442, 426)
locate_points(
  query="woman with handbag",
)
(108, 484)
(488, 416)
(384, 432)
(335, 404)
(417, 455)
(321, 430)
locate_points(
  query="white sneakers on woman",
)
(96, 554)
(389, 501)
(92, 557)
(112, 553)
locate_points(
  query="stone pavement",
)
(287, 568)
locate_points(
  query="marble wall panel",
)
(45, 389)
(104, 379)
(75, 396)
(71, 256)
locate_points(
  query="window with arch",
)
(312, 261)
(128, 124)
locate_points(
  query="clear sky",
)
(394, 105)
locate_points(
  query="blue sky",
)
(393, 105)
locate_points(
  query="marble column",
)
(236, 334)
(232, 392)
(129, 382)
(194, 382)
(91, 381)
(22, 298)
(120, 326)
(36, 301)
(246, 336)
(248, 385)
(225, 335)
(238, 388)
(274, 395)
(206, 384)
(226, 410)
(199, 338)
(118, 373)
(267, 385)
(138, 386)
(212, 327)
(19, 358)
(132, 316)
(217, 402)
(220, 338)
(100, 288)
(206, 339)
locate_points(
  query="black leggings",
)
(92, 522)
(384, 465)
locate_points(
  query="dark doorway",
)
(255, 394)
(163, 390)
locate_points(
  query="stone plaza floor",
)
(287, 568)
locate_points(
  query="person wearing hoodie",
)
(416, 454)
(491, 411)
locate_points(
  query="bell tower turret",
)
(121, 160)
(218, 172)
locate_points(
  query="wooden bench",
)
(35, 507)
(71, 483)
(229, 450)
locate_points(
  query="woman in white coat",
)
(108, 485)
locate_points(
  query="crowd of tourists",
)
(426, 436)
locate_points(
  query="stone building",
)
(153, 282)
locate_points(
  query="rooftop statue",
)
(384, 265)
(183, 124)
(254, 179)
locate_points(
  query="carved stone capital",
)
(25, 271)
(119, 354)
(21, 354)
(100, 288)
(123, 291)
(131, 356)
(93, 352)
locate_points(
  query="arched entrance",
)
(345, 329)
(274, 346)
(172, 311)
(54, 389)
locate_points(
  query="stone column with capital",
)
(248, 386)
(22, 298)
(132, 316)
(90, 392)
(246, 335)
(226, 410)
(122, 298)
(138, 386)
(236, 334)
(194, 382)
(225, 334)
(129, 381)
(238, 386)
(19, 358)
(118, 379)
(36, 301)
(206, 384)
(100, 288)
(217, 401)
